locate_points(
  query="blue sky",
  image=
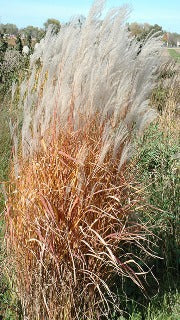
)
(35, 12)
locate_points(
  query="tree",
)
(135, 28)
(19, 45)
(3, 44)
(8, 28)
(3, 48)
(54, 23)
(34, 32)
(141, 31)
(29, 41)
(156, 29)
(173, 37)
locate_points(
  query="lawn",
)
(174, 54)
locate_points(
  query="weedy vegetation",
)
(157, 165)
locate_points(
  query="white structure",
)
(178, 44)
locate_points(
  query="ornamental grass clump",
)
(72, 209)
(68, 215)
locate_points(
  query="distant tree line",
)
(143, 30)
(172, 38)
(29, 31)
(9, 28)
(17, 44)
(139, 30)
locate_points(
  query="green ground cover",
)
(174, 54)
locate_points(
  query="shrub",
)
(12, 66)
